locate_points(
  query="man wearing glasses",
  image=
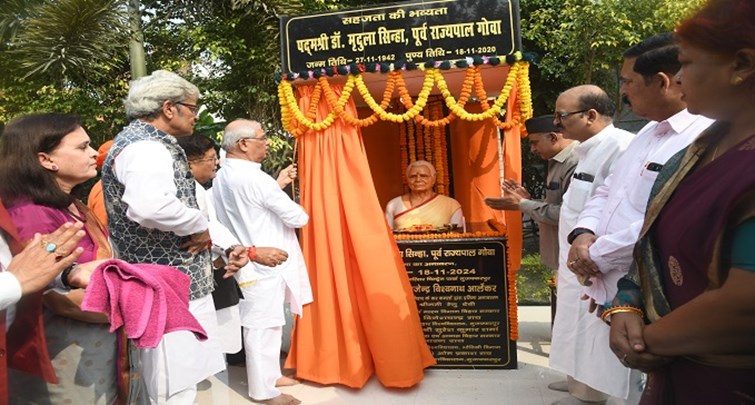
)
(253, 205)
(608, 227)
(584, 114)
(153, 217)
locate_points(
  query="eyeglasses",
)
(192, 107)
(209, 159)
(262, 138)
(558, 116)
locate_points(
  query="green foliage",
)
(207, 126)
(70, 55)
(581, 41)
(280, 151)
(100, 109)
(532, 281)
(66, 56)
(65, 41)
(229, 49)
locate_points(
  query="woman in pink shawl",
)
(43, 158)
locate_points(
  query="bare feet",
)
(282, 399)
(286, 381)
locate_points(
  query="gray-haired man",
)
(153, 217)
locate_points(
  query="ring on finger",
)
(49, 246)
(571, 262)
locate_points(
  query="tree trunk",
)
(136, 44)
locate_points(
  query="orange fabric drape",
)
(512, 168)
(364, 318)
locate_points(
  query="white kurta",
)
(579, 338)
(252, 205)
(617, 210)
(222, 237)
(229, 319)
(145, 168)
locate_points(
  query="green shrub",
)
(532, 281)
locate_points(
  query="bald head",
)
(245, 139)
(583, 111)
(590, 96)
(239, 129)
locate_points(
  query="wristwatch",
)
(576, 232)
(64, 276)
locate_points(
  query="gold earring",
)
(737, 81)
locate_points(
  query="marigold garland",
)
(296, 122)
(525, 95)
(404, 151)
(439, 152)
(466, 89)
(428, 141)
(412, 142)
(346, 116)
(448, 235)
(427, 86)
(293, 108)
(444, 148)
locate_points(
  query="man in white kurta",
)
(582, 353)
(153, 217)
(255, 208)
(612, 219)
(203, 163)
(616, 212)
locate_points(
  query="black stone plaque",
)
(411, 31)
(462, 295)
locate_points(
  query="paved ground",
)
(526, 386)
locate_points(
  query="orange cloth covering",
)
(96, 200)
(96, 203)
(436, 211)
(364, 318)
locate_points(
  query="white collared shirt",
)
(596, 155)
(616, 212)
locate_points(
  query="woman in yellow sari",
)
(422, 206)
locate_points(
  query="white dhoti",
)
(263, 361)
(262, 317)
(229, 329)
(180, 361)
(580, 343)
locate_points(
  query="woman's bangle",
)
(606, 316)
(251, 253)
